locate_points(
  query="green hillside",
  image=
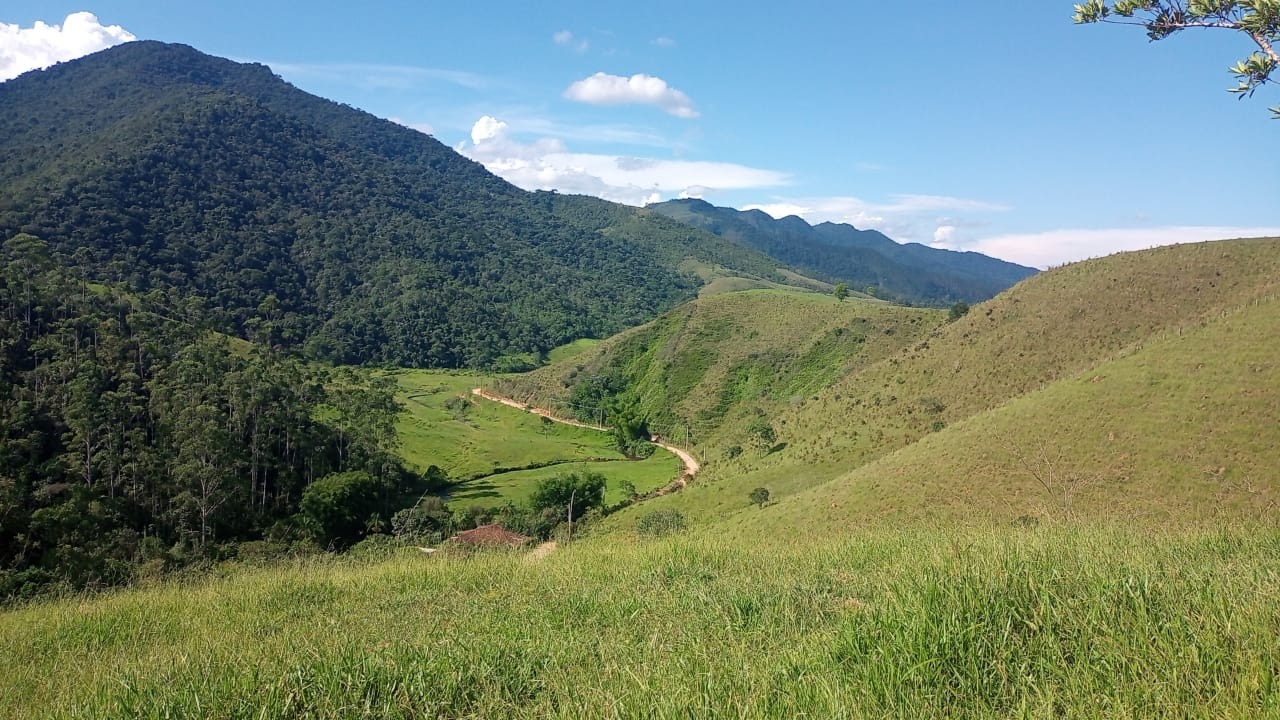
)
(726, 359)
(301, 223)
(1182, 430)
(134, 443)
(958, 409)
(1081, 623)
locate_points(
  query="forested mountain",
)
(863, 258)
(163, 169)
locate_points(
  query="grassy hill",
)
(1082, 623)
(944, 419)
(1183, 430)
(725, 359)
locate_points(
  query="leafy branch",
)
(1259, 19)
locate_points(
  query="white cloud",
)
(565, 38)
(944, 235)
(1056, 247)
(602, 89)
(41, 45)
(664, 41)
(547, 164)
(487, 128)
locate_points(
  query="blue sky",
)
(1010, 131)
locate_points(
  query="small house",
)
(491, 536)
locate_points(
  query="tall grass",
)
(1065, 622)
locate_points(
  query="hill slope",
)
(301, 221)
(841, 253)
(726, 359)
(928, 428)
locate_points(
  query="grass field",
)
(645, 475)
(573, 349)
(1045, 623)
(481, 436)
(472, 438)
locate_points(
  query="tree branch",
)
(1265, 44)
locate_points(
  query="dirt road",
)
(691, 464)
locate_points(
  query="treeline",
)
(131, 439)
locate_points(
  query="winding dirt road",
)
(691, 464)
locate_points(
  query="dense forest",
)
(910, 273)
(131, 438)
(156, 167)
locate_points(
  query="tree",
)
(841, 291)
(957, 311)
(759, 496)
(337, 507)
(1258, 19)
(760, 434)
(585, 491)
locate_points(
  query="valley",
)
(260, 350)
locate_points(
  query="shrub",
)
(375, 547)
(428, 521)
(337, 507)
(759, 496)
(637, 449)
(661, 522)
(586, 489)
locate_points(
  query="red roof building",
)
(491, 536)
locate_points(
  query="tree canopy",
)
(130, 439)
(1257, 19)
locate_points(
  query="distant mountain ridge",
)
(289, 219)
(863, 258)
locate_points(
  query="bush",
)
(459, 406)
(375, 547)
(661, 522)
(586, 489)
(637, 449)
(759, 496)
(337, 507)
(428, 521)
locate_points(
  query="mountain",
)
(295, 221)
(911, 273)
